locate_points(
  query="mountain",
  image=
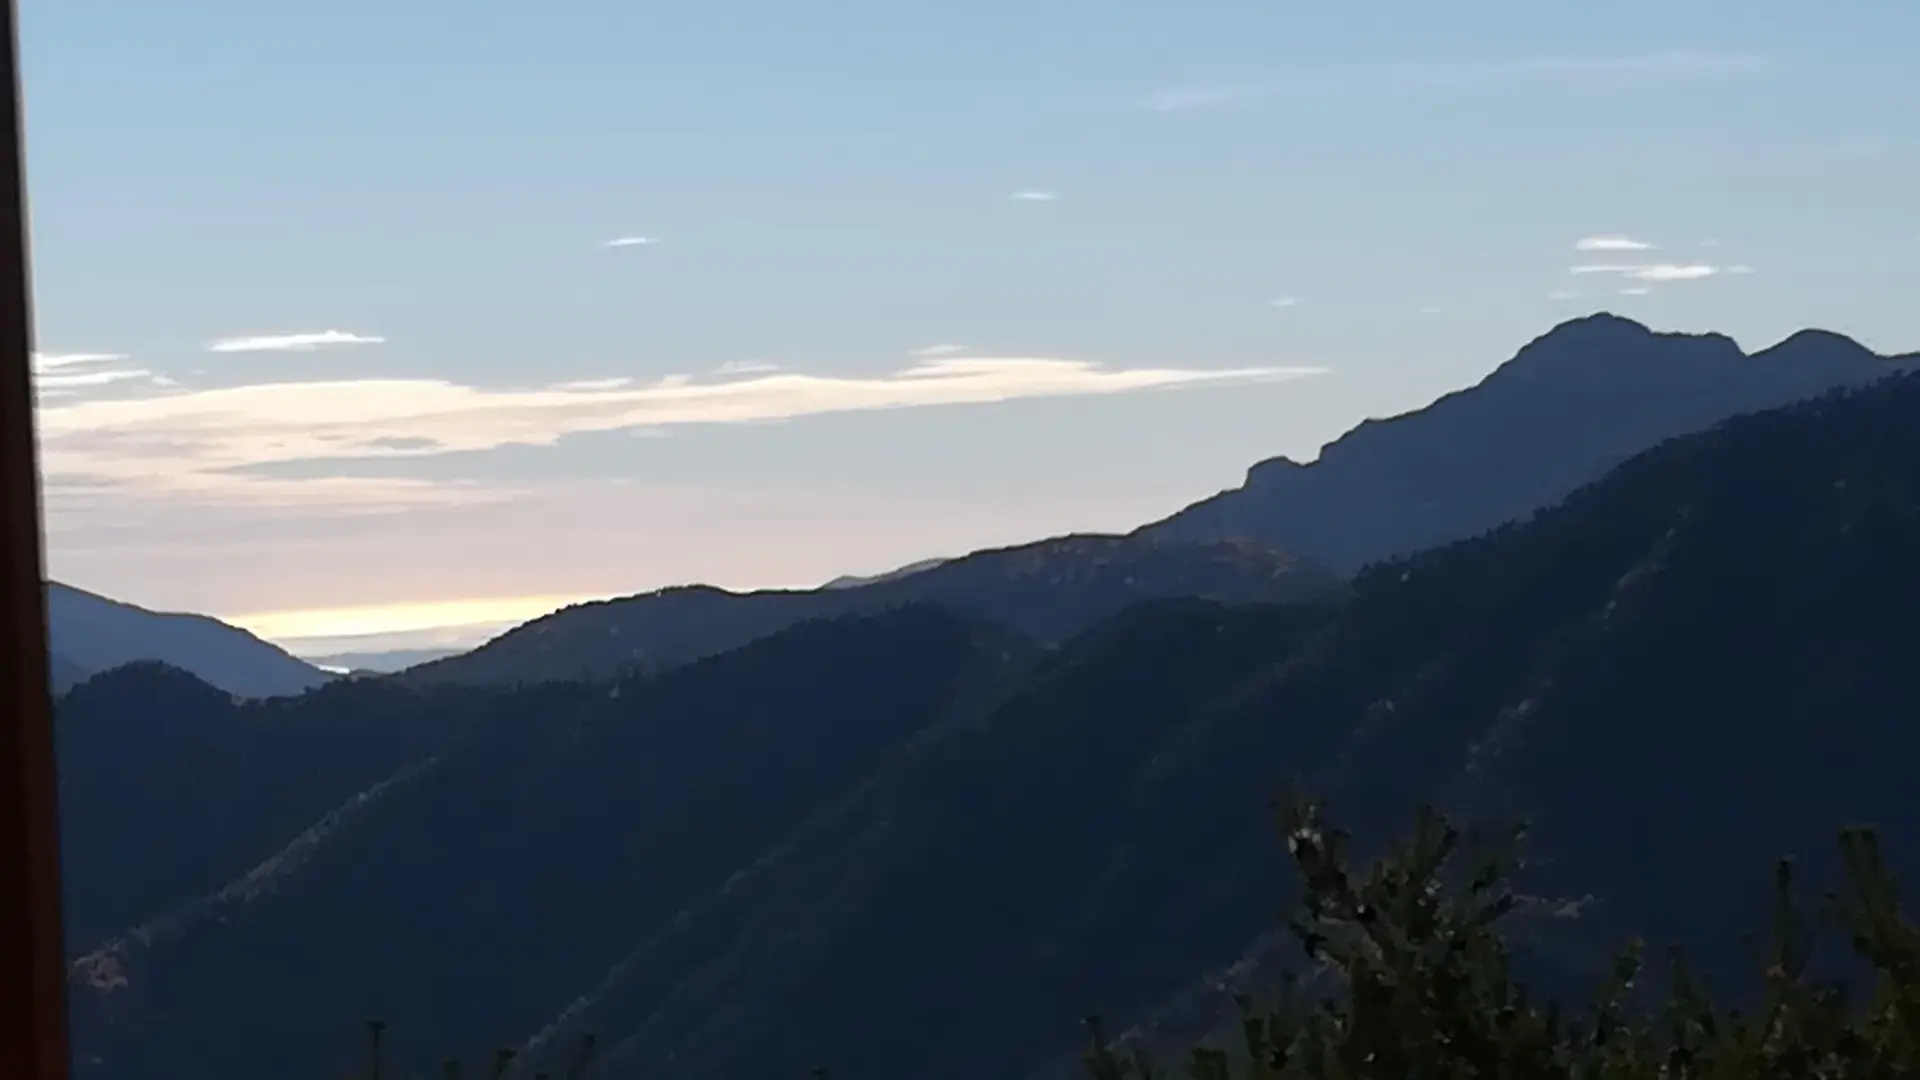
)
(379, 661)
(847, 581)
(91, 633)
(1048, 590)
(913, 837)
(602, 813)
(63, 674)
(188, 787)
(1570, 405)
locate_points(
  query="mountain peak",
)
(1802, 345)
(1569, 405)
(1609, 337)
(1600, 322)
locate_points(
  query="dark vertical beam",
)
(33, 1021)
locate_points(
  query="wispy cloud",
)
(1650, 70)
(1641, 68)
(1284, 302)
(1650, 271)
(746, 367)
(946, 349)
(1188, 98)
(630, 241)
(1611, 242)
(1673, 272)
(588, 386)
(298, 342)
(203, 445)
(59, 374)
(1430, 309)
(1033, 196)
(43, 361)
(1637, 290)
(1739, 269)
(68, 380)
(1564, 294)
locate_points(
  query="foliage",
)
(1714, 645)
(1415, 980)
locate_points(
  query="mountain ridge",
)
(1721, 626)
(1048, 589)
(90, 633)
(1568, 405)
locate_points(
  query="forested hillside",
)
(919, 842)
(1048, 590)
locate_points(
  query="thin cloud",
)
(928, 351)
(64, 380)
(1739, 269)
(300, 342)
(1611, 242)
(1284, 302)
(203, 444)
(746, 367)
(1186, 99)
(1650, 272)
(1430, 309)
(1033, 196)
(1673, 272)
(591, 385)
(57, 375)
(630, 241)
(1689, 64)
(1638, 290)
(1564, 294)
(43, 361)
(1652, 70)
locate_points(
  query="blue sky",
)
(370, 350)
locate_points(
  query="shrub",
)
(1410, 978)
(1414, 982)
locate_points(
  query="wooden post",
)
(33, 1015)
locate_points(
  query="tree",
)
(1410, 977)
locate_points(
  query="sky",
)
(393, 322)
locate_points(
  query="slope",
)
(1048, 590)
(168, 786)
(93, 633)
(484, 890)
(63, 674)
(898, 844)
(1569, 406)
(1689, 668)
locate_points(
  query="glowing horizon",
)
(311, 626)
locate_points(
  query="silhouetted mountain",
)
(1569, 406)
(1048, 590)
(188, 788)
(848, 581)
(598, 814)
(908, 839)
(92, 633)
(63, 673)
(380, 661)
